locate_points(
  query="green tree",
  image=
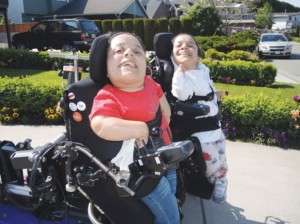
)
(205, 18)
(277, 5)
(264, 17)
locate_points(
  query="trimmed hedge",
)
(262, 119)
(18, 58)
(241, 72)
(127, 25)
(149, 28)
(22, 102)
(257, 118)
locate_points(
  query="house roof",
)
(285, 15)
(180, 2)
(101, 7)
(157, 9)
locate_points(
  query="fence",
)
(17, 27)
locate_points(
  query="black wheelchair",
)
(71, 179)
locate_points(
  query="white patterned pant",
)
(215, 158)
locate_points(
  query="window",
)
(39, 28)
(71, 26)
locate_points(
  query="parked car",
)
(274, 44)
(63, 34)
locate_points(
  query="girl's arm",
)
(165, 108)
(181, 88)
(116, 129)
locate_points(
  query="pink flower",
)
(297, 99)
(227, 80)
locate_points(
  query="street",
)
(288, 69)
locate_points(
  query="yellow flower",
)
(7, 118)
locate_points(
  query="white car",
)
(274, 44)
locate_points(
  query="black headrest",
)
(163, 45)
(98, 54)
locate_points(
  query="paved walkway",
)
(264, 182)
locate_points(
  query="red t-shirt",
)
(137, 106)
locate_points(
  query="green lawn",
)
(37, 76)
(284, 90)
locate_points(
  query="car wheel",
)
(259, 54)
(21, 46)
(67, 47)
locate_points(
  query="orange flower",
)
(295, 114)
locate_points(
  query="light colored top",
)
(197, 81)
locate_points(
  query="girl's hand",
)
(180, 69)
(219, 94)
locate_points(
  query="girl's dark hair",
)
(112, 35)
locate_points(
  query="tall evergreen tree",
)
(264, 17)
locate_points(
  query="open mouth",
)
(128, 64)
(184, 54)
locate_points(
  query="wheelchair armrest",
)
(176, 151)
(165, 157)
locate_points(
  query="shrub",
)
(149, 32)
(128, 25)
(242, 55)
(244, 40)
(138, 28)
(28, 103)
(241, 72)
(107, 26)
(215, 55)
(117, 25)
(18, 58)
(186, 26)
(258, 118)
(162, 25)
(174, 25)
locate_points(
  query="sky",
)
(292, 2)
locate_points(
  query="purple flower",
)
(283, 137)
(297, 99)
(275, 136)
(268, 130)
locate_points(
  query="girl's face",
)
(185, 51)
(126, 63)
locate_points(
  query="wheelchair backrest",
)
(78, 99)
(163, 48)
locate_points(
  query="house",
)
(285, 21)
(103, 9)
(156, 8)
(235, 16)
(166, 8)
(20, 11)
